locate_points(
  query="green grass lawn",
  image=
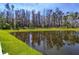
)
(14, 46)
(44, 29)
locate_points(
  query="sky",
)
(71, 7)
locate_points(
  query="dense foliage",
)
(16, 19)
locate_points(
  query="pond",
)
(52, 42)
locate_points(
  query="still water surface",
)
(52, 43)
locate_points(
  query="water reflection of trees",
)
(55, 38)
(50, 39)
(21, 35)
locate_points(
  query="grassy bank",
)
(14, 46)
(43, 29)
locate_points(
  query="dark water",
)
(52, 43)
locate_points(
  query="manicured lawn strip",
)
(14, 46)
(44, 29)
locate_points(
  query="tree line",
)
(16, 19)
